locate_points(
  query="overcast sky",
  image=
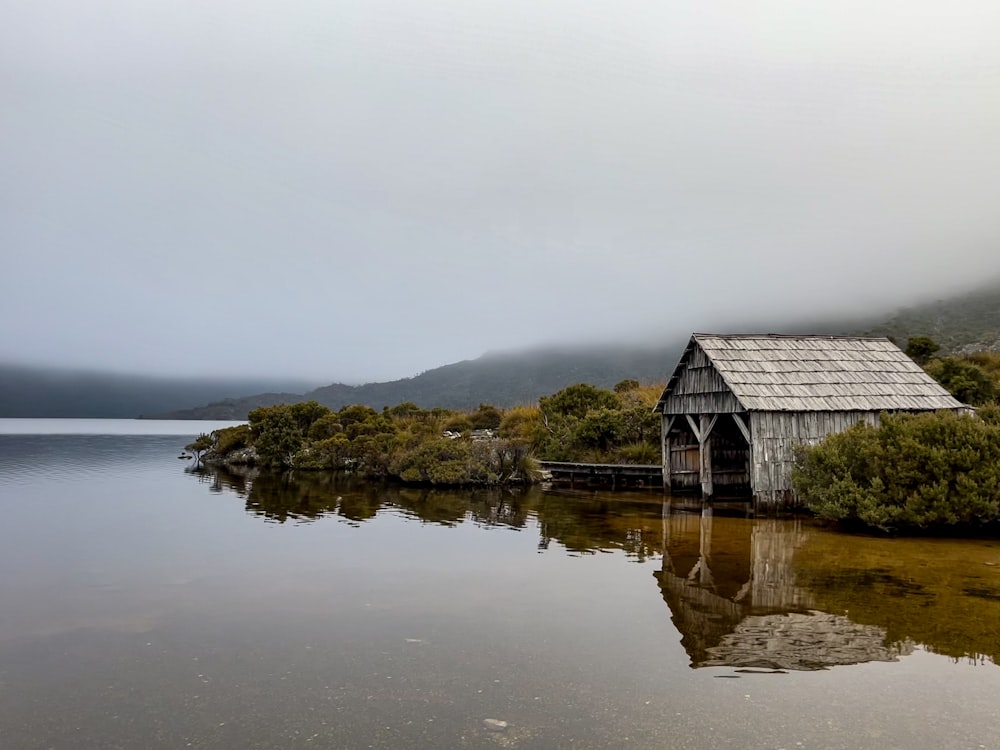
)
(355, 190)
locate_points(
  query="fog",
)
(346, 190)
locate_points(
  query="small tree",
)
(200, 445)
(277, 435)
(921, 348)
(624, 386)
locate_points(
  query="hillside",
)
(966, 322)
(503, 379)
(961, 324)
(49, 392)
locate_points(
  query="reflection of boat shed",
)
(737, 405)
(736, 602)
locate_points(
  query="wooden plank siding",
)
(775, 436)
(700, 389)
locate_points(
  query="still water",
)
(147, 604)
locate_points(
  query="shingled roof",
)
(817, 373)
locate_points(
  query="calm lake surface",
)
(144, 604)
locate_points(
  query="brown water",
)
(145, 605)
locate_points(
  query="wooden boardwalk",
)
(614, 475)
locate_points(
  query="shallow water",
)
(144, 604)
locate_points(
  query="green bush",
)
(325, 427)
(914, 471)
(486, 417)
(577, 400)
(968, 382)
(277, 436)
(459, 423)
(229, 439)
(438, 461)
(921, 348)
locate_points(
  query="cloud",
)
(368, 189)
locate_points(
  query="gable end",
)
(697, 387)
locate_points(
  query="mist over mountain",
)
(960, 325)
(966, 322)
(503, 379)
(27, 391)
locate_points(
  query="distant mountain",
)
(965, 322)
(961, 324)
(50, 392)
(504, 380)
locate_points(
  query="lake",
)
(147, 604)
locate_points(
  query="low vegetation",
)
(914, 471)
(973, 378)
(483, 446)
(584, 423)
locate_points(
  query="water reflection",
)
(307, 496)
(942, 593)
(734, 595)
(750, 594)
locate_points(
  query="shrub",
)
(325, 427)
(229, 439)
(577, 400)
(921, 348)
(486, 417)
(522, 423)
(459, 423)
(638, 453)
(200, 445)
(965, 380)
(277, 436)
(624, 386)
(599, 429)
(914, 471)
(438, 461)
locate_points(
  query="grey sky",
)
(364, 190)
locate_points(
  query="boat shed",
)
(736, 406)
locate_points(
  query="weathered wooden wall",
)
(684, 466)
(700, 390)
(774, 437)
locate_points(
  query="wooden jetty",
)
(614, 475)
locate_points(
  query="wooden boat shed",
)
(736, 406)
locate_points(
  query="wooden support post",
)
(667, 563)
(665, 425)
(705, 547)
(706, 423)
(705, 451)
